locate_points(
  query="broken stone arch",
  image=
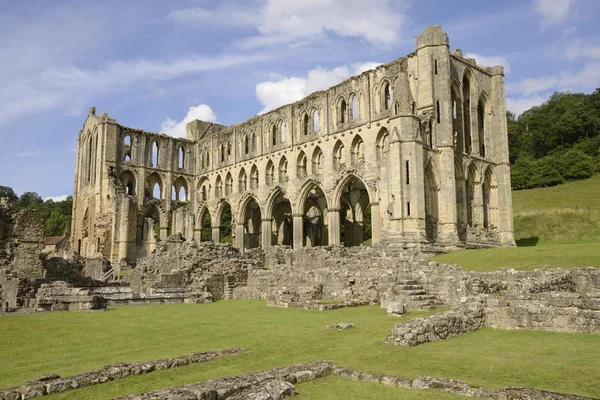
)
(249, 223)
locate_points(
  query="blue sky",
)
(157, 64)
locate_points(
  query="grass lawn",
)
(549, 230)
(333, 388)
(555, 254)
(575, 194)
(70, 343)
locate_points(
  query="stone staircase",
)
(414, 294)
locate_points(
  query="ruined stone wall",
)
(216, 268)
(464, 319)
(556, 312)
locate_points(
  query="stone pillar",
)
(216, 234)
(239, 236)
(375, 223)
(298, 231)
(447, 231)
(334, 226)
(123, 234)
(266, 232)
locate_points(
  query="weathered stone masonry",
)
(420, 142)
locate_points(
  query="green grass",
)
(549, 230)
(581, 194)
(527, 258)
(71, 343)
(333, 388)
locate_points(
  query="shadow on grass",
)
(527, 242)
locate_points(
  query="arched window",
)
(358, 155)
(342, 110)
(305, 124)
(242, 181)
(207, 157)
(127, 140)
(355, 108)
(154, 154)
(274, 135)
(246, 144)
(317, 161)
(301, 165)
(316, 121)
(282, 132)
(338, 154)
(222, 152)
(283, 165)
(156, 191)
(228, 185)
(254, 177)
(270, 173)
(387, 97)
(219, 187)
(128, 156)
(481, 126)
(467, 112)
(181, 158)
(228, 151)
(204, 196)
(383, 145)
(253, 142)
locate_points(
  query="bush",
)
(575, 164)
(546, 173)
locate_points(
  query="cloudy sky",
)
(157, 64)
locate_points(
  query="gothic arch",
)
(128, 181)
(306, 188)
(273, 194)
(347, 177)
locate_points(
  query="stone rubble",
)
(342, 326)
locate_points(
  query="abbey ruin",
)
(418, 146)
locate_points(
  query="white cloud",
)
(518, 105)
(56, 199)
(283, 90)
(177, 129)
(585, 79)
(291, 21)
(577, 50)
(71, 87)
(490, 61)
(553, 12)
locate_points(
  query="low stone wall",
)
(62, 296)
(55, 384)
(453, 386)
(556, 312)
(273, 384)
(465, 318)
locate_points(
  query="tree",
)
(29, 200)
(9, 193)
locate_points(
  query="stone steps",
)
(415, 294)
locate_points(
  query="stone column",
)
(375, 224)
(298, 231)
(239, 236)
(334, 226)
(447, 231)
(266, 232)
(216, 234)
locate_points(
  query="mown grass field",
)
(71, 343)
(557, 226)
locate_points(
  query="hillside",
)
(557, 226)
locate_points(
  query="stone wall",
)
(465, 318)
(205, 267)
(353, 275)
(273, 384)
(555, 311)
(52, 384)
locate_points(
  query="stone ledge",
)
(51, 384)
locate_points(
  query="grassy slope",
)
(70, 343)
(549, 231)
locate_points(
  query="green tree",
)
(9, 193)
